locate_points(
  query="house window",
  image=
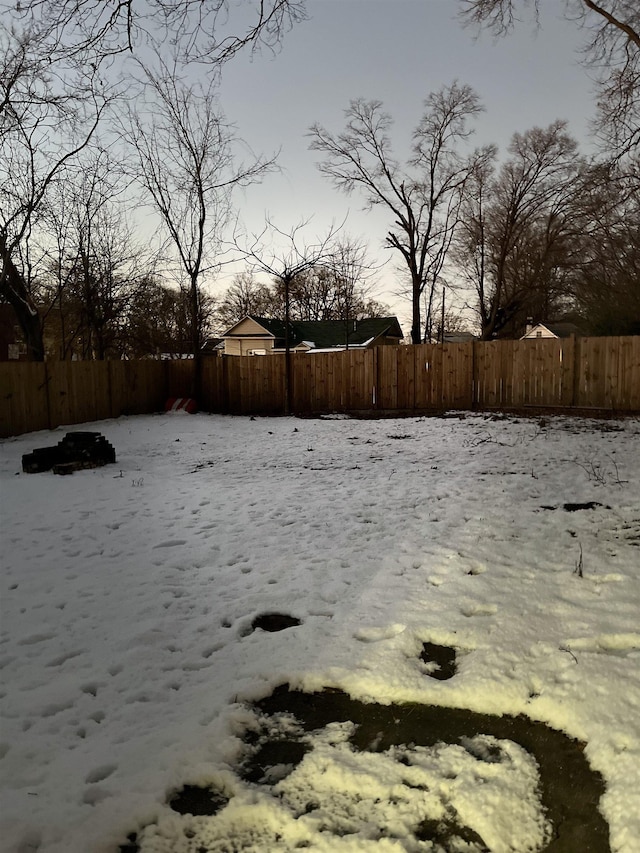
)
(256, 352)
(539, 333)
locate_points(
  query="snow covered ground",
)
(128, 594)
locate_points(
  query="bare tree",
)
(186, 166)
(423, 196)
(471, 250)
(338, 288)
(355, 281)
(49, 113)
(285, 267)
(207, 31)
(245, 295)
(612, 49)
(159, 320)
(516, 229)
(605, 273)
(55, 61)
(91, 262)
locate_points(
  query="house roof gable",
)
(251, 326)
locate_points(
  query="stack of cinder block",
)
(77, 450)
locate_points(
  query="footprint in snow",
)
(374, 635)
(63, 658)
(93, 796)
(32, 639)
(474, 609)
(209, 650)
(612, 577)
(616, 645)
(100, 773)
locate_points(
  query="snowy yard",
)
(128, 652)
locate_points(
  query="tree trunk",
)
(13, 288)
(416, 325)
(287, 349)
(196, 388)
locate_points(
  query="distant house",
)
(264, 336)
(549, 330)
(213, 346)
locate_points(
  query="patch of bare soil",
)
(570, 790)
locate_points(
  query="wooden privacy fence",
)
(576, 373)
(37, 396)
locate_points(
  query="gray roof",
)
(560, 330)
(325, 334)
(563, 330)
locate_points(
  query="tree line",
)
(99, 115)
(542, 233)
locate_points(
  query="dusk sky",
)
(396, 51)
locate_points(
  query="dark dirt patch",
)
(131, 846)
(273, 622)
(194, 800)
(443, 656)
(576, 507)
(447, 833)
(570, 790)
(571, 507)
(285, 755)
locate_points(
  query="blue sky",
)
(396, 51)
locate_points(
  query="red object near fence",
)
(181, 404)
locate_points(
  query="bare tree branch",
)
(612, 50)
(517, 228)
(285, 267)
(423, 196)
(186, 165)
(49, 114)
(207, 31)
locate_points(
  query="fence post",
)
(417, 360)
(474, 377)
(575, 372)
(109, 390)
(47, 383)
(376, 379)
(225, 385)
(167, 379)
